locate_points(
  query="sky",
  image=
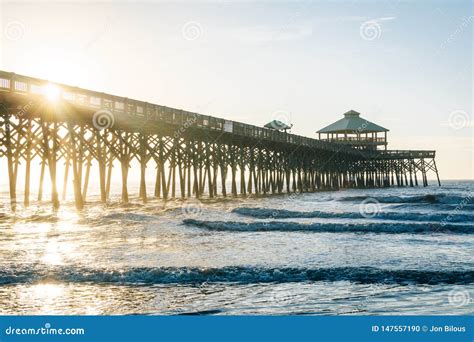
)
(407, 66)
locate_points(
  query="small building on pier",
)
(355, 131)
(278, 125)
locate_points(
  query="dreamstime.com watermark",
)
(274, 214)
(280, 117)
(23, 110)
(103, 119)
(192, 208)
(369, 208)
(459, 207)
(192, 30)
(189, 122)
(465, 23)
(370, 30)
(14, 30)
(459, 119)
(47, 329)
(459, 298)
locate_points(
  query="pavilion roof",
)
(277, 125)
(352, 123)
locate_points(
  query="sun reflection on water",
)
(45, 296)
(51, 298)
(52, 254)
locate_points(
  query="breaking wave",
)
(232, 274)
(387, 228)
(432, 199)
(127, 217)
(439, 207)
(265, 213)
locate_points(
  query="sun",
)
(52, 92)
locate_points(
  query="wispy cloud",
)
(342, 19)
(385, 18)
(353, 18)
(292, 30)
(259, 34)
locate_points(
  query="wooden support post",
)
(28, 164)
(101, 153)
(158, 181)
(124, 164)
(41, 180)
(196, 174)
(189, 177)
(53, 157)
(208, 172)
(173, 180)
(202, 177)
(423, 172)
(50, 154)
(161, 162)
(234, 174)
(86, 178)
(288, 174)
(436, 170)
(168, 182)
(249, 183)
(110, 166)
(214, 166)
(124, 168)
(243, 190)
(65, 179)
(223, 178)
(10, 161)
(242, 172)
(80, 156)
(79, 201)
(181, 173)
(143, 161)
(294, 187)
(299, 182)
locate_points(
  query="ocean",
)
(404, 251)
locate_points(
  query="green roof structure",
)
(277, 125)
(352, 122)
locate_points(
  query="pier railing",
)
(355, 139)
(139, 110)
(406, 154)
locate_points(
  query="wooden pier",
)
(194, 155)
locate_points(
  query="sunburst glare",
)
(52, 92)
